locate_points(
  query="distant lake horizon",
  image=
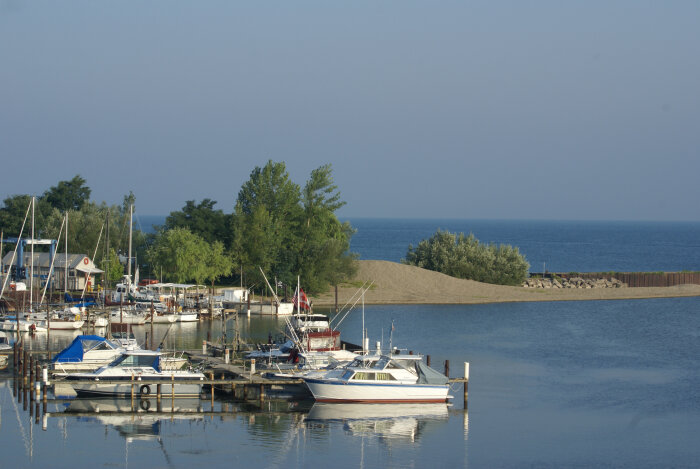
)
(551, 245)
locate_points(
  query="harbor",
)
(221, 375)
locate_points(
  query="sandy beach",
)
(403, 284)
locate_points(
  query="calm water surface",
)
(613, 383)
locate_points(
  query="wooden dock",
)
(235, 379)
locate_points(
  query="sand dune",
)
(403, 284)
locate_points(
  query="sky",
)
(576, 110)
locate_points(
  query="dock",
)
(235, 380)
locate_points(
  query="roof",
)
(43, 259)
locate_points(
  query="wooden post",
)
(31, 376)
(427, 360)
(25, 362)
(262, 393)
(132, 391)
(336, 298)
(211, 376)
(152, 314)
(31, 380)
(447, 368)
(466, 382)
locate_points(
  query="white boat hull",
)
(333, 390)
(58, 325)
(162, 319)
(187, 317)
(128, 319)
(284, 309)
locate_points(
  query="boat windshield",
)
(135, 360)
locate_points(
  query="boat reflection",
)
(395, 421)
(142, 422)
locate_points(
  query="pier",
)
(33, 383)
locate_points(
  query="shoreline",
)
(396, 283)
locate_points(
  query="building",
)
(81, 269)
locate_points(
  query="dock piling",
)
(447, 368)
(466, 383)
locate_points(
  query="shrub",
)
(465, 257)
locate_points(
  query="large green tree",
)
(324, 256)
(202, 219)
(68, 195)
(13, 212)
(265, 223)
(288, 232)
(180, 253)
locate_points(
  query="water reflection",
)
(266, 421)
(400, 421)
(140, 422)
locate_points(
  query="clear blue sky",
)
(487, 109)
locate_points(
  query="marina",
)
(535, 368)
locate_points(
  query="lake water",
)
(561, 384)
(557, 246)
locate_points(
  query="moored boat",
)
(87, 353)
(380, 378)
(138, 365)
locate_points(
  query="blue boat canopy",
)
(81, 344)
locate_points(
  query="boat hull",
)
(93, 388)
(343, 391)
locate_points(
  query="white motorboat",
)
(161, 318)
(10, 323)
(379, 378)
(187, 316)
(66, 320)
(88, 353)
(127, 317)
(137, 365)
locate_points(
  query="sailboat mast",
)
(131, 226)
(31, 264)
(65, 267)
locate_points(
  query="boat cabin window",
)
(348, 374)
(384, 377)
(135, 360)
(373, 376)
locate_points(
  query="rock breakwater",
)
(574, 282)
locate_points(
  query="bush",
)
(465, 257)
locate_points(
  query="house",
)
(81, 270)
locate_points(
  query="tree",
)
(324, 256)
(265, 222)
(217, 262)
(180, 253)
(14, 210)
(68, 195)
(114, 270)
(201, 219)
